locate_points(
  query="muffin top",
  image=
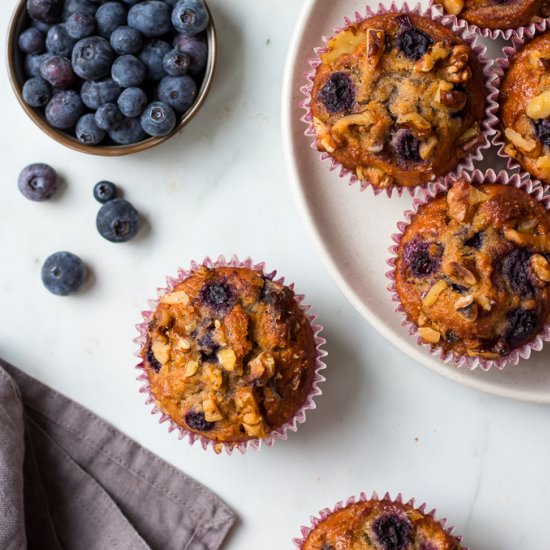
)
(398, 99)
(230, 354)
(525, 107)
(380, 525)
(495, 14)
(473, 269)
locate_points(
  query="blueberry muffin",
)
(380, 525)
(525, 107)
(498, 14)
(398, 99)
(473, 270)
(230, 354)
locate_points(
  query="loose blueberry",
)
(392, 531)
(58, 72)
(132, 102)
(152, 360)
(151, 18)
(406, 146)
(420, 259)
(178, 91)
(108, 117)
(152, 55)
(413, 42)
(126, 40)
(176, 63)
(117, 221)
(196, 48)
(59, 42)
(542, 130)
(96, 93)
(64, 109)
(219, 296)
(38, 182)
(80, 25)
(128, 71)
(196, 421)
(516, 271)
(32, 41)
(108, 17)
(92, 58)
(522, 325)
(190, 17)
(79, 6)
(88, 132)
(33, 63)
(337, 94)
(37, 92)
(130, 131)
(63, 273)
(158, 119)
(104, 191)
(476, 241)
(46, 11)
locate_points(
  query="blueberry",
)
(92, 58)
(196, 48)
(63, 273)
(125, 40)
(130, 131)
(80, 25)
(38, 182)
(37, 92)
(413, 42)
(117, 221)
(158, 119)
(108, 117)
(176, 63)
(152, 55)
(32, 41)
(59, 42)
(476, 241)
(108, 17)
(516, 271)
(42, 27)
(177, 91)
(58, 72)
(64, 109)
(128, 71)
(96, 93)
(219, 296)
(34, 62)
(79, 6)
(208, 347)
(542, 130)
(132, 102)
(152, 360)
(46, 11)
(393, 531)
(151, 18)
(420, 259)
(104, 191)
(88, 132)
(405, 146)
(522, 325)
(337, 94)
(196, 421)
(190, 17)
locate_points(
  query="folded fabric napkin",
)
(69, 480)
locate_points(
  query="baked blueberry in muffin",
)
(398, 99)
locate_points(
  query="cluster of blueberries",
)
(63, 273)
(124, 69)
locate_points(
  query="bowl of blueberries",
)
(114, 77)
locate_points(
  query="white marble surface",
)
(383, 422)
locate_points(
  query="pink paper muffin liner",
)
(522, 32)
(476, 177)
(256, 444)
(326, 512)
(488, 125)
(501, 66)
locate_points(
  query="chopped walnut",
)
(470, 135)
(485, 302)
(453, 99)
(323, 135)
(211, 411)
(464, 301)
(525, 144)
(359, 119)
(433, 294)
(179, 297)
(541, 267)
(539, 242)
(376, 176)
(262, 366)
(191, 369)
(214, 377)
(457, 272)
(161, 351)
(227, 359)
(429, 335)
(539, 106)
(417, 124)
(375, 45)
(457, 70)
(462, 201)
(470, 312)
(427, 148)
(436, 53)
(543, 167)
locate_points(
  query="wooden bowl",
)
(21, 20)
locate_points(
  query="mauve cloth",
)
(69, 480)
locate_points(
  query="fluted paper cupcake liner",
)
(488, 124)
(326, 512)
(278, 433)
(476, 177)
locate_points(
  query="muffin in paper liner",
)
(523, 32)
(278, 433)
(399, 500)
(479, 50)
(452, 358)
(501, 66)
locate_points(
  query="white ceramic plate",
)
(352, 229)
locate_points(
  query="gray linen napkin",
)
(68, 480)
